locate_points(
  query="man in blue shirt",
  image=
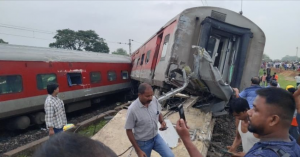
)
(249, 93)
(270, 118)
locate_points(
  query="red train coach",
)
(83, 77)
(229, 49)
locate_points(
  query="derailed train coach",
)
(215, 48)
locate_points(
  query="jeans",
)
(58, 130)
(157, 144)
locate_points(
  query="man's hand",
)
(140, 153)
(239, 154)
(236, 92)
(182, 130)
(163, 126)
(231, 149)
(51, 132)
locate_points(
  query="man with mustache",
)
(270, 118)
(141, 124)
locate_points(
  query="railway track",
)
(10, 140)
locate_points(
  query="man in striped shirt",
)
(55, 117)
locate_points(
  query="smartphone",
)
(181, 112)
(226, 152)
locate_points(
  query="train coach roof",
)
(27, 53)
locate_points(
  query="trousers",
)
(157, 144)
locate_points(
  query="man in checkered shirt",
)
(55, 117)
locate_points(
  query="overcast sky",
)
(118, 21)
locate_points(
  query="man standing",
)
(141, 124)
(55, 117)
(270, 119)
(297, 80)
(275, 76)
(238, 108)
(249, 93)
(263, 79)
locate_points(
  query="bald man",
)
(141, 124)
(249, 93)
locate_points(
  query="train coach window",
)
(124, 75)
(148, 56)
(137, 63)
(111, 76)
(74, 79)
(95, 77)
(10, 84)
(43, 80)
(142, 59)
(165, 47)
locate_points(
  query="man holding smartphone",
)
(141, 124)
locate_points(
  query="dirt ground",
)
(223, 136)
(288, 74)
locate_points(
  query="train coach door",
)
(227, 45)
(155, 56)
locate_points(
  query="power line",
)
(137, 42)
(43, 31)
(25, 36)
(206, 2)
(25, 29)
(202, 2)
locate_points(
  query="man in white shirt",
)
(238, 108)
(297, 80)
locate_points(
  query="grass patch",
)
(92, 129)
(283, 82)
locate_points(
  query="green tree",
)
(290, 58)
(3, 42)
(79, 40)
(266, 58)
(120, 51)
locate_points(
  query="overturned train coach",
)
(216, 48)
(84, 78)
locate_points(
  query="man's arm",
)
(184, 134)
(237, 140)
(134, 143)
(49, 114)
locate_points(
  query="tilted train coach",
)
(83, 78)
(217, 48)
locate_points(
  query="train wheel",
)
(38, 118)
(18, 123)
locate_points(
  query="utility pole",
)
(297, 53)
(130, 46)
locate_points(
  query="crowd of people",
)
(281, 65)
(266, 125)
